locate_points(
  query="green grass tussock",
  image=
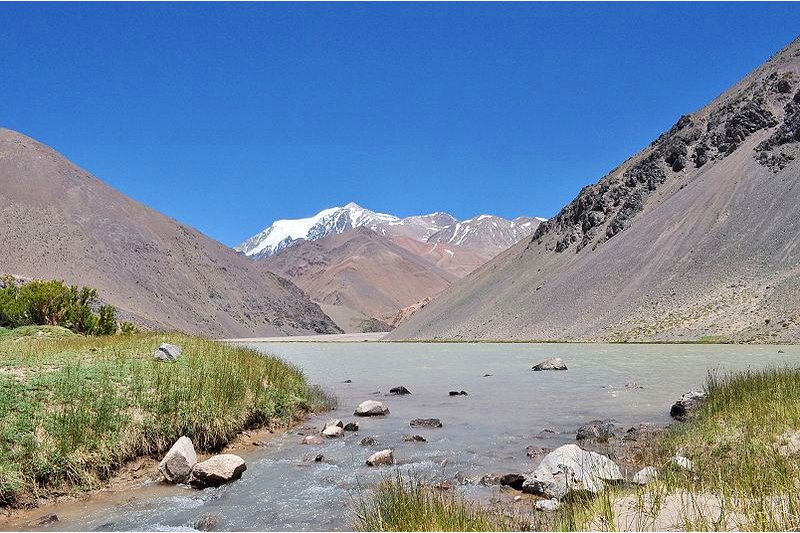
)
(406, 503)
(74, 409)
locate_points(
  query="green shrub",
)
(53, 303)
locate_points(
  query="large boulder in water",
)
(687, 404)
(217, 470)
(179, 461)
(570, 470)
(167, 352)
(554, 363)
(371, 408)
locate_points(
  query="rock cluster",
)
(180, 465)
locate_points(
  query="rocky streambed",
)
(510, 418)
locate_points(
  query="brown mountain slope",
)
(457, 260)
(359, 270)
(698, 234)
(58, 221)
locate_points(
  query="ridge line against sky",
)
(230, 116)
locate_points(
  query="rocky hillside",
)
(695, 236)
(58, 221)
(359, 270)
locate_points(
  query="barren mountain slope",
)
(360, 270)
(58, 221)
(458, 260)
(696, 235)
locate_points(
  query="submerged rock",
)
(425, 423)
(179, 461)
(536, 451)
(167, 352)
(313, 439)
(369, 441)
(458, 393)
(399, 391)
(687, 404)
(554, 363)
(207, 523)
(371, 408)
(383, 457)
(217, 470)
(569, 470)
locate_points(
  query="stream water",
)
(485, 432)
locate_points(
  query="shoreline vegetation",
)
(742, 444)
(76, 409)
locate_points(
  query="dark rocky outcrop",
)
(426, 423)
(687, 404)
(598, 430)
(399, 391)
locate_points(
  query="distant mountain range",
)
(482, 232)
(359, 264)
(696, 236)
(58, 221)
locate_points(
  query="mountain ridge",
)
(59, 221)
(690, 237)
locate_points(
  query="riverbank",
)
(740, 472)
(77, 409)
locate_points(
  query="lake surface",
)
(485, 432)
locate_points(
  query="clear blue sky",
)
(228, 116)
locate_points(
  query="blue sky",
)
(228, 116)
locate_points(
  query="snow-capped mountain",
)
(486, 232)
(284, 233)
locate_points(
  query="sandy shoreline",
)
(339, 337)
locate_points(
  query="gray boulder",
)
(167, 352)
(332, 422)
(425, 423)
(554, 363)
(598, 430)
(383, 457)
(687, 404)
(547, 505)
(217, 470)
(645, 475)
(313, 439)
(177, 464)
(571, 470)
(371, 408)
(332, 432)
